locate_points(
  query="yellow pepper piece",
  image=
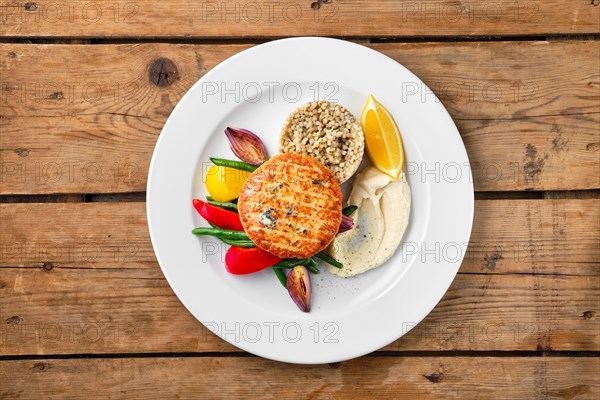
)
(225, 183)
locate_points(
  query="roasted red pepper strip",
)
(242, 260)
(220, 217)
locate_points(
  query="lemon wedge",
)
(382, 136)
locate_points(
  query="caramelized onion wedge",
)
(346, 225)
(298, 285)
(246, 145)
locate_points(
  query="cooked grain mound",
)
(327, 132)
(291, 206)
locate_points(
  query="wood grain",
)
(528, 111)
(367, 377)
(85, 311)
(245, 18)
(103, 296)
(84, 304)
(508, 236)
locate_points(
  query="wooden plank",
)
(85, 235)
(509, 236)
(534, 236)
(70, 311)
(365, 18)
(367, 377)
(528, 111)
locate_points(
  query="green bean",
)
(348, 211)
(290, 263)
(233, 164)
(313, 269)
(223, 204)
(309, 263)
(281, 276)
(329, 260)
(239, 243)
(233, 242)
(221, 233)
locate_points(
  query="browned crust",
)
(291, 206)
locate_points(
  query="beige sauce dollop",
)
(379, 223)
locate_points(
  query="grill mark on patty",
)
(317, 208)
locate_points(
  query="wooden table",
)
(86, 88)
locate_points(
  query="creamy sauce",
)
(379, 223)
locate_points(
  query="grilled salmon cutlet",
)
(291, 206)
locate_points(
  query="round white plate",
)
(257, 89)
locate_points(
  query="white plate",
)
(256, 89)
